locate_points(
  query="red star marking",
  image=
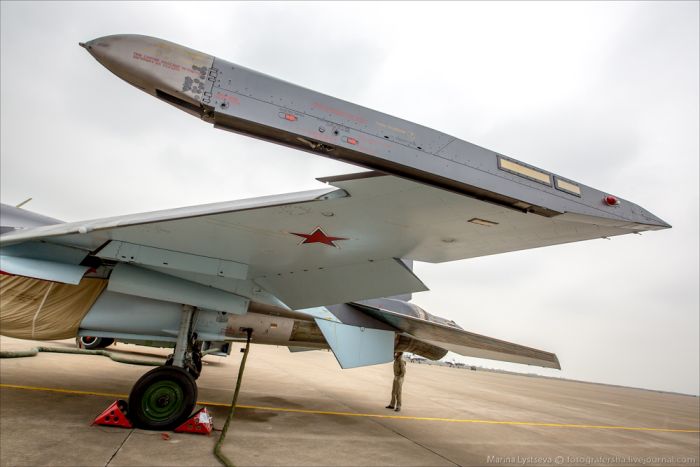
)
(318, 236)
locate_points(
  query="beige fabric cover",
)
(37, 309)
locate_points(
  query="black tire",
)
(89, 342)
(162, 399)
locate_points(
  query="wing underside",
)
(315, 248)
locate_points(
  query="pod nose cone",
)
(89, 45)
(153, 64)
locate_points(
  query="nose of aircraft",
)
(154, 65)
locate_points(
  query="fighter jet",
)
(328, 268)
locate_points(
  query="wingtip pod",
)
(248, 102)
(159, 67)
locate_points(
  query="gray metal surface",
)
(406, 308)
(175, 260)
(183, 335)
(366, 279)
(460, 341)
(357, 346)
(467, 202)
(347, 314)
(46, 230)
(248, 102)
(41, 269)
(134, 280)
(132, 317)
(46, 251)
(13, 218)
(380, 218)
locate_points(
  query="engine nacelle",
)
(408, 309)
(429, 351)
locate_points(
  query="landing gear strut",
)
(164, 398)
(193, 360)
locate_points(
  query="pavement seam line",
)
(417, 443)
(352, 414)
(131, 432)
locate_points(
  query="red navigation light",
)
(611, 200)
(351, 140)
(290, 117)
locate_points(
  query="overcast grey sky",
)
(603, 93)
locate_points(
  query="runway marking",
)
(369, 415)
(63, 391)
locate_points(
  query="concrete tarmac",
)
(302, 409)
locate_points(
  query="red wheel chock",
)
(200, 423)
(115, 415)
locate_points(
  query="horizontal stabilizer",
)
(460, 341)
(357, 346)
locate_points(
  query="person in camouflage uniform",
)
(399, 373)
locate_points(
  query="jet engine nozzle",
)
(163, 69)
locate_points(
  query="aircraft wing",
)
(460, 341)
(338, 244)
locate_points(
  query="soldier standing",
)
(399, 373)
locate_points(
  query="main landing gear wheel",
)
(162, 399)
(89, 342)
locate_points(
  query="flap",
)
(168, 259)
(315, 287)
(41, 269)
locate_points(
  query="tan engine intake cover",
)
(37, 309)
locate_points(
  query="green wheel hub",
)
(162, 400)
